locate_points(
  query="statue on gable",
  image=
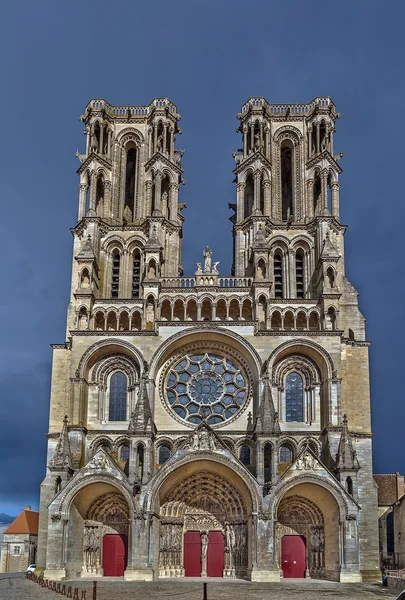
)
(207, 259)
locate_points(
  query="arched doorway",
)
(311, 511)
(204, 526)
(98, 531)
(302, 534)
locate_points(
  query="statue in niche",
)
(93, 140)
(207, 259)
(85, 283)
(257, 141)
(83, 321)
(152, 270)
(259, 271)
(160, 143)
(325, 142)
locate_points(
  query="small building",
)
(19, 546)
(391, 512)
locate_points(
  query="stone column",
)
(100, 147)
(149, 142)
(335, 199)
(158, 193)
(83, 187)
(107, 199)
(259, 462)
(148, 198)
(310, 198)
(256, 198)
(173, 201)
(261, 137)
(267, 197)
(324, 190)
(245, 148)
(318, 138)
(108, 143)
(154, 139)
(252, 137)
(165, 138)
(240, 195)
(171, 142)
(93, 190)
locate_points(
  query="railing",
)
(64, 589)
(190, 282)
(284, 108)
(133, 110)
(396, 573)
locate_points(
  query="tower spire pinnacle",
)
(62, 459)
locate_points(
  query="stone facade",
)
(391, 519)
(210, 403)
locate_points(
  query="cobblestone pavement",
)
(22, 589)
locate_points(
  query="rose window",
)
(206, 386)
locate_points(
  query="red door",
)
(293, 556)
(114, 555)
(192, 554)
(215, 554)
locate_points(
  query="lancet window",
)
(278, 275)
(299, 274)
(286, 180)
(294, 397)
(136, 275)
(115, 277)
(118, 397)
(130, 184)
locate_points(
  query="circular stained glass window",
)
(206, 387)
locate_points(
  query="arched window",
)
(349, 486)
(115, 278)
(58, 484)
(331, 277)
(286, 180)
(299, 273)
(351, 334)
(99, 195)
(118, 397)
(294, 398)
(286, 455)
(249, 196)
(130, 177)
(244, 455)
(124, 453)
(136, 275)
(164, 454)
(278, 275)
(267, 463)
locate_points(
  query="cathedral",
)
(210, 424)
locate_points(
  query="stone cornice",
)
(132, 333)
(105, 227)
(355, 343)
(65, 346)
(323, 155)
(299, 333)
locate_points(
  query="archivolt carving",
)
(110, 509)
(209, 492)
(294, 510)
(298, 363)
(130, 134)
(306, 343)
(110, 342)
(115, 362)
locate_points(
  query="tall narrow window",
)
(317, 192)
(118, 397)
(249, 196)
(286, 181)
(115, 279)
(130, 176)
(267, 463)
(136, 275)
(278, 276)
(244, 455)
(299, 274)
(164, 454)
(286, 455)
(139, 462)
(294, 398)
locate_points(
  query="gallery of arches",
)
(210, 424)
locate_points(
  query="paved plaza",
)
(192, 589)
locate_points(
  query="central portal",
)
(203, 528)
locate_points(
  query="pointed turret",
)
(328, 249)
(141, 417)
(62, 459)
(346, 457)
(267, 419)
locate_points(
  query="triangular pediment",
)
(102, 463)
(203, 438)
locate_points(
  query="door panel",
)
(114, 555)
(215, 554)
(192, 554)
(293, 556)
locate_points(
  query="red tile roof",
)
(26, 522)
(390, 488)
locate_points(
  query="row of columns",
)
(168, 132)
(213, 310)
(159, 207)
(106, 209)
(318, 147)
(264, 139)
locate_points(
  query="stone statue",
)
(227, 537)
(207, 259)
(204, 545)
(232, 537)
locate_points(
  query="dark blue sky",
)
(208, 57)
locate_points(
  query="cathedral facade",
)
(208, 424)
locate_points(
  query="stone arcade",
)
(210, 425)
